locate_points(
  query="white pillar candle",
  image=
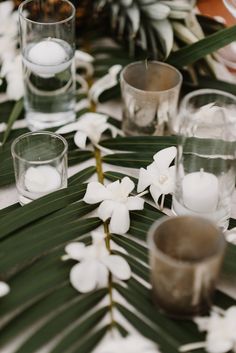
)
(47, 58)
(200, 191)
(42, 179)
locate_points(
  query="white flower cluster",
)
(159, 176)
(10, 59)
(91, 126)
(95, 263)
(115, 203)
(220, 329)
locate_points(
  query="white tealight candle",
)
(42, 179)
(47, 58)
(200, 192)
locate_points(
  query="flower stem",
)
(98, 158)
(162, 202)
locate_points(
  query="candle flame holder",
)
(186, 254)
(205, 163)
(40, 164)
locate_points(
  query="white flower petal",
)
(97, 236)
(164, 158)
(135, 203)
(102, 275)
(83, 56)
(230, 321)
(4, 289)
(127, 185)
(172, 170)
(114, 130)
(118, 266)
(105, 210)
(155, 192)
(202, 323)
(216, 344)
(96, 192)
(83, 276)
(114, 188)
(68, 128)
(75, 251)
(144, 180)
(120, 221)
(80, 139)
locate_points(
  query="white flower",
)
(95, 263)
(85, 61)
(90, 125)
(8, 29)
(115, 203)
(131, 344)
(8, 19)
(158, 175)
(4, 289)
(106, 82)
(221, 332)
(12, 71)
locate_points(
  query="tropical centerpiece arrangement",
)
(74, 264)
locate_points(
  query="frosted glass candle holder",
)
(150, 92)
(40, 164)
(47, 33)
(186, 254)
(205, 163)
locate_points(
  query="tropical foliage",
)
(42, 309)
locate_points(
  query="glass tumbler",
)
(47, 33)
(40, 164)
(186, 254)
(205, 163)
(150, 93)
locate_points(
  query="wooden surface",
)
(216, 8)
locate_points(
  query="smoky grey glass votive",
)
(150, 92)
(186, 254)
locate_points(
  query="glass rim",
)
(67, 19)
(171, 260)
(48, 133)
(160, 63)
(204, 91)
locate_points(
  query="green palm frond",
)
(41, 295)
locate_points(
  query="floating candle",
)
(42, 179)
(47, 52)
(200, 191)
(48, 57)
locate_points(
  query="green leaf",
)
(39, 208)
(140, 143)
(78, 332)
(82, 176)
(16, 112)
(130, 160)
(68, 314)
(202, 48)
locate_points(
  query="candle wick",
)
(201, 172)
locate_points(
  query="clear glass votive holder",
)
(205, 163)
(40, 164)
(186, 254)
(47, 36)
(150, 92)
